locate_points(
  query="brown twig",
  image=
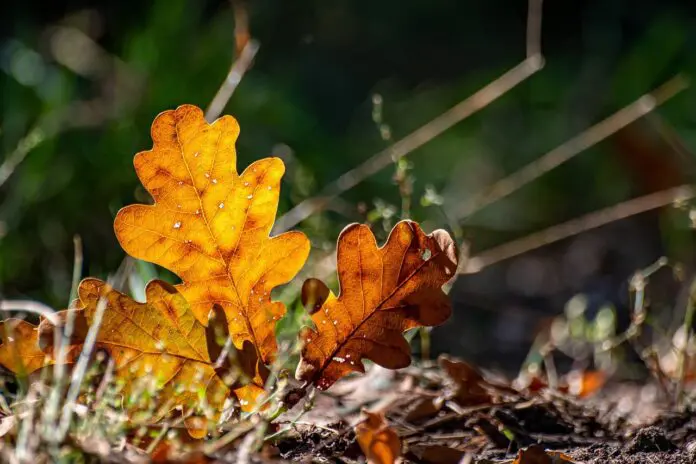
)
(419, 137)
(239, 67)
(411, 142)
(566, 151)
(534, 28)
(576, 226)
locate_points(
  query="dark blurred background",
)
(333, 83)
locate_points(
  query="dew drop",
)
(177, 224)
(207, 175)
(246, 184)
(249, 197)
(178, 206)
(198, 211)
(181, 182)
(195, 155)
(270, 188)
(221, 205)
(214, 181)
(335, 322)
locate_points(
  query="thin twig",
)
(576, 226)
(419, 137)
(26, 145)
(534, 28)
(234, 77)
(566, 151)
(411, 142)
(30, 306)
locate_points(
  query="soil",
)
(623, 423)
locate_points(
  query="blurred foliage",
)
(84, 79)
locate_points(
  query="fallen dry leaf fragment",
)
(437, 454)
(584, 383)
(535, 454)
(384, 292)
(20, 351)
(210, 225)
(377, 440)
(578, 383)
(469, 382)
(423, 408)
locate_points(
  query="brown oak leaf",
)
(20, 352)
(384, 292)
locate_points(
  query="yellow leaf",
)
(384, 292)
(159, 348)
(210, 225)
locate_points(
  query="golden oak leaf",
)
(158, 345)
(210, 225)
(377, 440)
(384, 292)
(160, 340)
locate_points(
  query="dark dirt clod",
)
(650, 439)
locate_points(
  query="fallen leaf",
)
(535, 454)
(377, 440)
(423, 408)
(210, 225)
(437, 454)
(384, 292)
(158, 345)
(584, 383)
(469, 382)
(577, 383)
(20, 352)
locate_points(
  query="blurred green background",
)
(334, 82)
